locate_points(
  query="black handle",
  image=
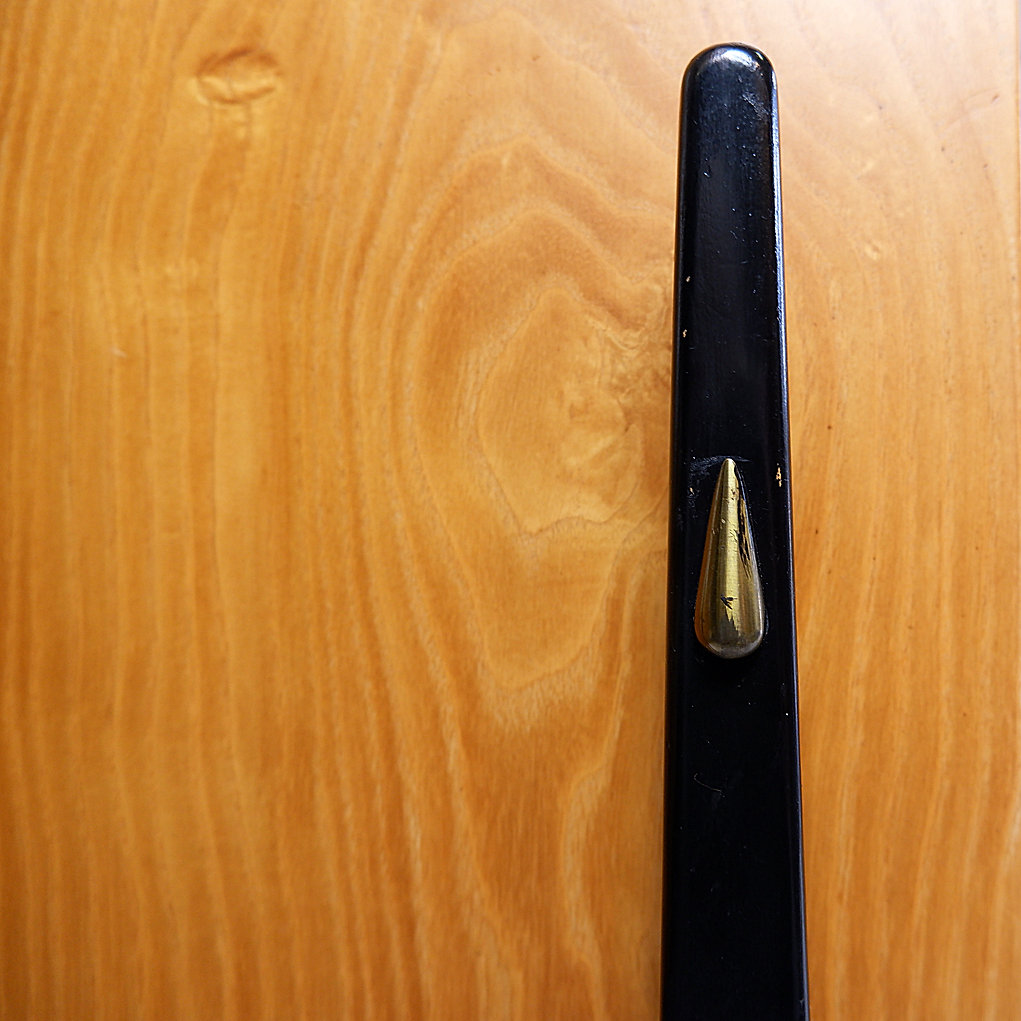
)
(733, 902)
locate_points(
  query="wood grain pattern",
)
(335, 381)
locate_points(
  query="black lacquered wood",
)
(733, 907)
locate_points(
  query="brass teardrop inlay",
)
(729, 611)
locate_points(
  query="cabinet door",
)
(335, 373)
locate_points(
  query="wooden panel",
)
(335, 390)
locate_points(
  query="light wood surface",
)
(335, 382)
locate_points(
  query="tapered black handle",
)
(733, 903)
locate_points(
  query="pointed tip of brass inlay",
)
(730, 617)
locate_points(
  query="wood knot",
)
(241, 76)
(554, 417)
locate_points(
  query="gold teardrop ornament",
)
(730, 617)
